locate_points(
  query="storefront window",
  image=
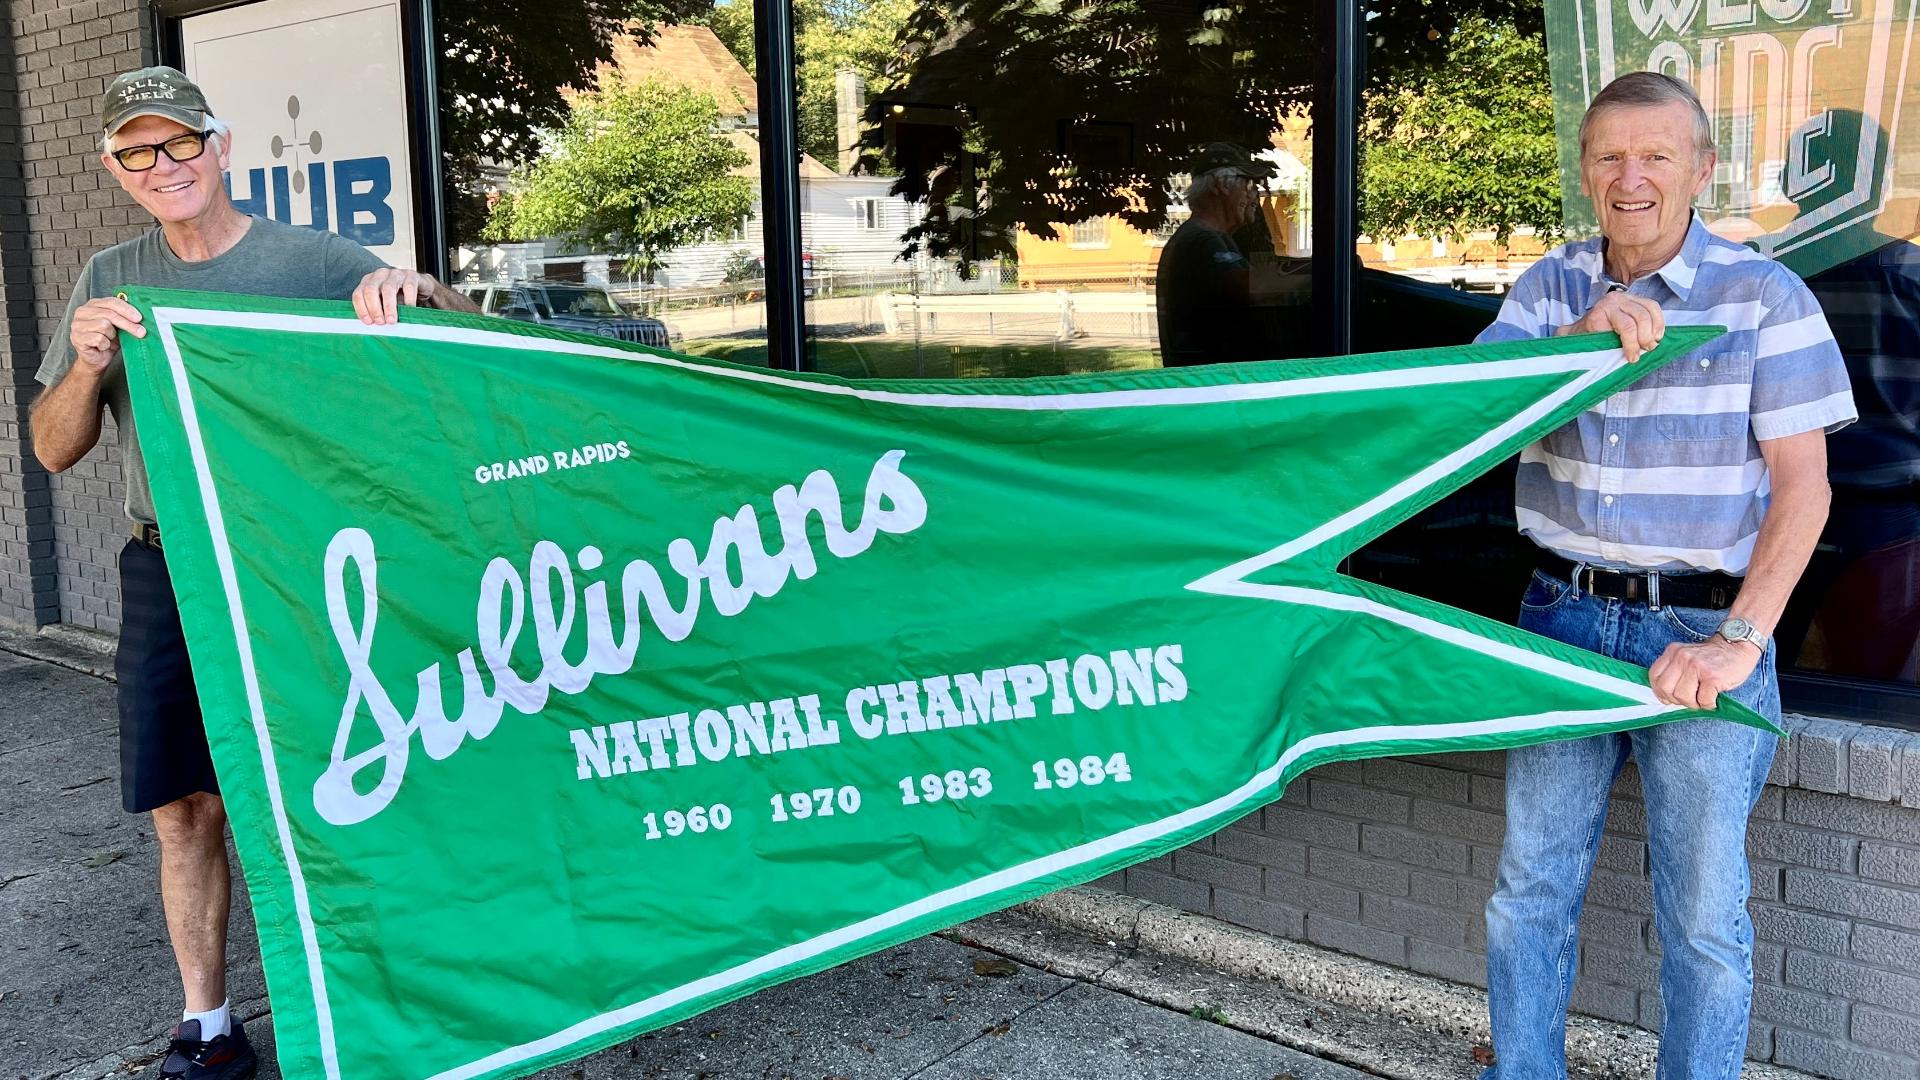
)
(989, 188)
(1065, 188)
(603, 174)
(1461, 178)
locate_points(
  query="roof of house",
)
(692, 56)
(687, 56)
(810, 168)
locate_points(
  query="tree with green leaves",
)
(635, 168)
(859, 35)
(732, 22)
(828, 35)
(501, 74)
(1466, 146)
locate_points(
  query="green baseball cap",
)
(154, 91)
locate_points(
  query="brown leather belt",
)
(147, 534)
(1712, 590)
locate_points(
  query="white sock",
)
(213, 1023)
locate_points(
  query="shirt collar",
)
(1678, 272)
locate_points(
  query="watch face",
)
(1736, 629)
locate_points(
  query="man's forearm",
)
(65, 421)
(1788, 534)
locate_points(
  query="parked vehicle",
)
(583, 309)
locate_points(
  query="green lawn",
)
(887, 359)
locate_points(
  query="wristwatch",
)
(1739, 629)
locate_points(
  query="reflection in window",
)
(1090, 233)
(1857, 611)
(1459, 166)
(616, 156)
(1176, 217)
(1042, 156)
(1803, 175)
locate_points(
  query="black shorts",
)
(163, 744)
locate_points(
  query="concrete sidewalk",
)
(88, 986)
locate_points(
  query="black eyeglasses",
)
(180, 148)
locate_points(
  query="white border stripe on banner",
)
(1032, 870)
(223, 555)
(1594, 362)
(1229, 581)
(1400, 492)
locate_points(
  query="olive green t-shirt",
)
(272, 259)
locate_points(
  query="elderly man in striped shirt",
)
(1673, 521)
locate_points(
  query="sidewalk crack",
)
(988, 1032)
(69, 737)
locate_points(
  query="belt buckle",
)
(1653, 590)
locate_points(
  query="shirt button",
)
(1614, 438)
(1608, 499)
(1706, 363)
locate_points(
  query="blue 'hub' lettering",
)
(362, 191)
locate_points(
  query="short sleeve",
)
(1799, 378)
(1519, 318)
(59, 355)
(345, 263)
(1224, 257)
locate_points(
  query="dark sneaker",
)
(223, 1057)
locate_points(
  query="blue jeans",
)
(1700, 779)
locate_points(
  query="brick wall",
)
(26, 520)
(58, 534)
(1394, 860)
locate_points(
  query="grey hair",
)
(1212, 183)
(1649, 89)
(215, 126)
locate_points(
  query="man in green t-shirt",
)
(167, 150)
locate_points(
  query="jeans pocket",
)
(1544, 593)
(1693, 624)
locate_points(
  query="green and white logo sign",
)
(561, 690)
(1809, 101)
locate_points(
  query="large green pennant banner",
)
(560, 689)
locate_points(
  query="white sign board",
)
(316, 92)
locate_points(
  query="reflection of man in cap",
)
(168, 151)
(1202, 285)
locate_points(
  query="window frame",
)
(1101, 243)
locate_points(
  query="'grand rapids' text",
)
(1093, 682)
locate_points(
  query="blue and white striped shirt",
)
(1667, 474)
